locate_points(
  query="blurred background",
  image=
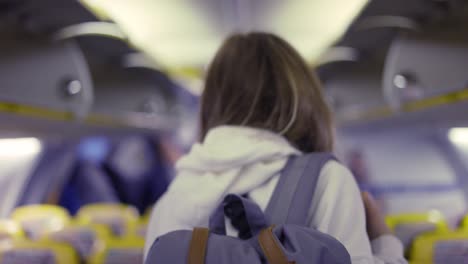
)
(99, 98)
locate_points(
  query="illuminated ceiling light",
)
(19, 147)
(458, 136)
(307, 25)
(192, 37)
(100, 28)
(173, 41)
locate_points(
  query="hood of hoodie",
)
(233, 160)
(230, 160)
(232, 147)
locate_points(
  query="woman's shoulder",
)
(335, 170)
(334, 175)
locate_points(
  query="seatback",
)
(10, 230)
(87, 240)
(439, 248)
(37, 220)
(40, 252)
(408, 226)
(118, 217)
(127, 249)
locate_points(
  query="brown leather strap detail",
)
(198, 244)
(271, 248)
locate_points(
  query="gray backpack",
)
(278, 236)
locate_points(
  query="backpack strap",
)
(292, 197)
(198, 246)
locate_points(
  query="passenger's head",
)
(258, 80)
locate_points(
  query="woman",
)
(262, 104)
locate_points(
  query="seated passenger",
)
(261, 104)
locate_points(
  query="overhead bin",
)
(423, 81)
(55, 76)
(423, 65)
(46, 87)
(420, 49)
(44, 78)
(49, 62)
(141, 96)
(353, 87)
(127, 87)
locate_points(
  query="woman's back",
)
(261, 104)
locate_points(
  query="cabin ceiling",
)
(180, 34)
(186, 33)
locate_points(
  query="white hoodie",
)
(244, 160)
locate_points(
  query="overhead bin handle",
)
(339, 54)
(96, 28)
(400, 22)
